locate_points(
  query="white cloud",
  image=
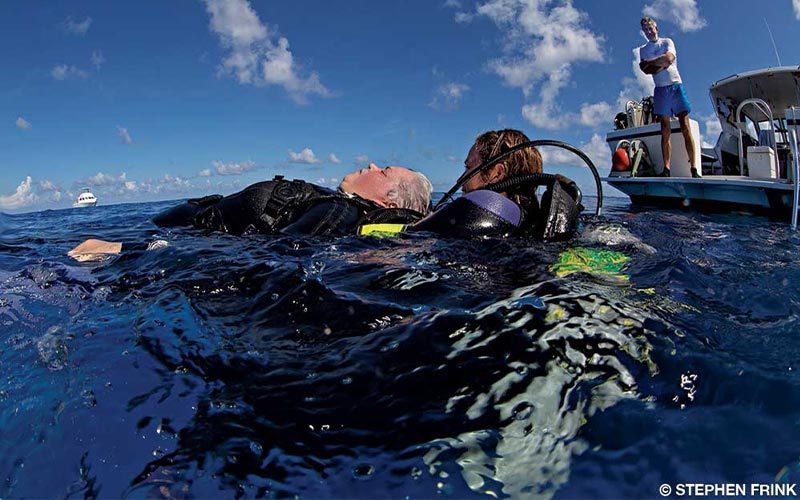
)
(304, 156)
(331, 182)
(255, 56)
(22, 123)
(595, 114)
(542, 41)
(98, 60)
(233, 168)
(53, 192)
(63, 72)
(77, 27)
(712, 129)
(683, 13)
(22, 197)
(796, 5)
(206, 172)
(461, 16)
(124, 136)
(46, 185)
(596, 149)
(447, 97)
(174, 181)
(639, 86)
(464, 17)
(361, 159)
(103, 179)
(334, 159)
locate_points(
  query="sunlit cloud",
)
(448, 96)
(66, 72)
(541, 43)
(22, 197)
(22, 123)
(602, 113)
(257, 56)
(98, 60)
(712, 129)
(46, 185)
(592, 115)
(596, 149)
(206, 172)
(104, 179)
(305, 156)
(334, 159)
(77, 27)
(331, 182)
(123, 135)
(685, 14)
(233, 168)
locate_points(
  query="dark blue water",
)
(359, 367)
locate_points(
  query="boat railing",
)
(793, 122)
(762, 106)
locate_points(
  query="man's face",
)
(650, 31)
(472, 162)
(374, 183)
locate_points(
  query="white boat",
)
(753, 164)
(85, 199)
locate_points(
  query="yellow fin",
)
(381, 230)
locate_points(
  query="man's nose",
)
(372, 166)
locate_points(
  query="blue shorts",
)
(671, 100)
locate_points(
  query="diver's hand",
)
(94, 250)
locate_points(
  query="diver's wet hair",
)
(525, 161)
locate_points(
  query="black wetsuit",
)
(289, 207)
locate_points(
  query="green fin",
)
(590, 260)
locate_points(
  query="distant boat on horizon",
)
(85, 199)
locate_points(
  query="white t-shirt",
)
(651, 50)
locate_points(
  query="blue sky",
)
(153, 100)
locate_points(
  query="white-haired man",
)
(296, 207)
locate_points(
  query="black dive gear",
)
(541, 142)
(487, 213)
(293, 207)
(553, 217)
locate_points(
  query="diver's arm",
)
(92, 249)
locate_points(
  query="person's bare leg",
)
(686, 130)
(666, 149)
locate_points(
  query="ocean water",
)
(260, 366)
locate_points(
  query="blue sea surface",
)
(416, 367)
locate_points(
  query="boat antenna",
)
(773, 42)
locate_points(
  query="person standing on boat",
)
(658, 58)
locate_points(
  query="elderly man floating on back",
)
(658, 58)
(371, 194)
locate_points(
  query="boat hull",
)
(719, 193)
(84, 204)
